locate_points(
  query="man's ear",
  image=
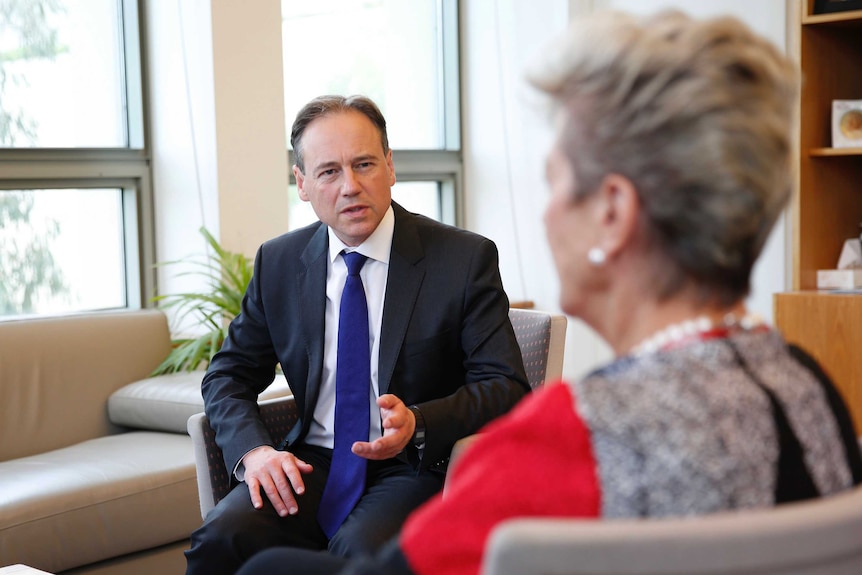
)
(618, 212)
(391, 167)
(300, 183)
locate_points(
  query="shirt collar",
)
(378, 246)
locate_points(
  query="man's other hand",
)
(398, 426)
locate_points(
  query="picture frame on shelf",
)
(830, 6)
(847, 123)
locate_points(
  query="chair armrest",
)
(457, 452)
(813, 536)
(214, 481)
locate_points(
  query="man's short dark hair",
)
(329, 104)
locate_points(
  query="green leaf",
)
(227, 276)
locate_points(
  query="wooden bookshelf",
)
(829, 327)
(827, 208)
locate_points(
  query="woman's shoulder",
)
(691, 380)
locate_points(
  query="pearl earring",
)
(597, 256)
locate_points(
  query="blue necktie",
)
(346, 480)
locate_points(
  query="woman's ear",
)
(618, 213)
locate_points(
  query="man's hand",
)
(398, 426)
(279, 473)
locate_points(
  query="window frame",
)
(127, 168)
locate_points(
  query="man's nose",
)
(350, 183)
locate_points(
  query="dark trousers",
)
(290, 561)
(234, 530)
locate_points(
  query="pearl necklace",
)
(700, 328)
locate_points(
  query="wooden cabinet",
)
(829, 327)
(827, 208)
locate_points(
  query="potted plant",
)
(227, 275)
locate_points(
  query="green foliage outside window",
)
(28, 268)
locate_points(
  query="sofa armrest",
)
(165, 402)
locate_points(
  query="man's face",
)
(347, 178)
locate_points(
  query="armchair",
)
(816, 537)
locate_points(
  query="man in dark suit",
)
(443, 356)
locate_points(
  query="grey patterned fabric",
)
(688, 431)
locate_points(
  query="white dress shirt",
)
(377, 248)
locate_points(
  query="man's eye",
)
(326, 173)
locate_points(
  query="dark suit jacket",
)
(446, 341)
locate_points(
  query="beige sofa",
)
(97, 472)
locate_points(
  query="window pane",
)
(61, 74)
(420, 197)
(299, 213)
(388, 50)
(61, 251)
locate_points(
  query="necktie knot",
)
(354, 261)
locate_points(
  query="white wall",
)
(249, 105)
(182, 134)
(217, 116)
(506, 137)
(226, 115)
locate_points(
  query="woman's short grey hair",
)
(329, 104)
(698, 115)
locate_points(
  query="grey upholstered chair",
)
(818, 537)
(541, 337)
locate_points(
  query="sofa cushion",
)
(98, 499)
(57, 374)
(165, 402)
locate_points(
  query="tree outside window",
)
(28, 267)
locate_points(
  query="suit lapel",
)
(312, 283)
(406, 272)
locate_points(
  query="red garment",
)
(535, 461)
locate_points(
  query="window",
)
(75, 215)
(404, 56)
